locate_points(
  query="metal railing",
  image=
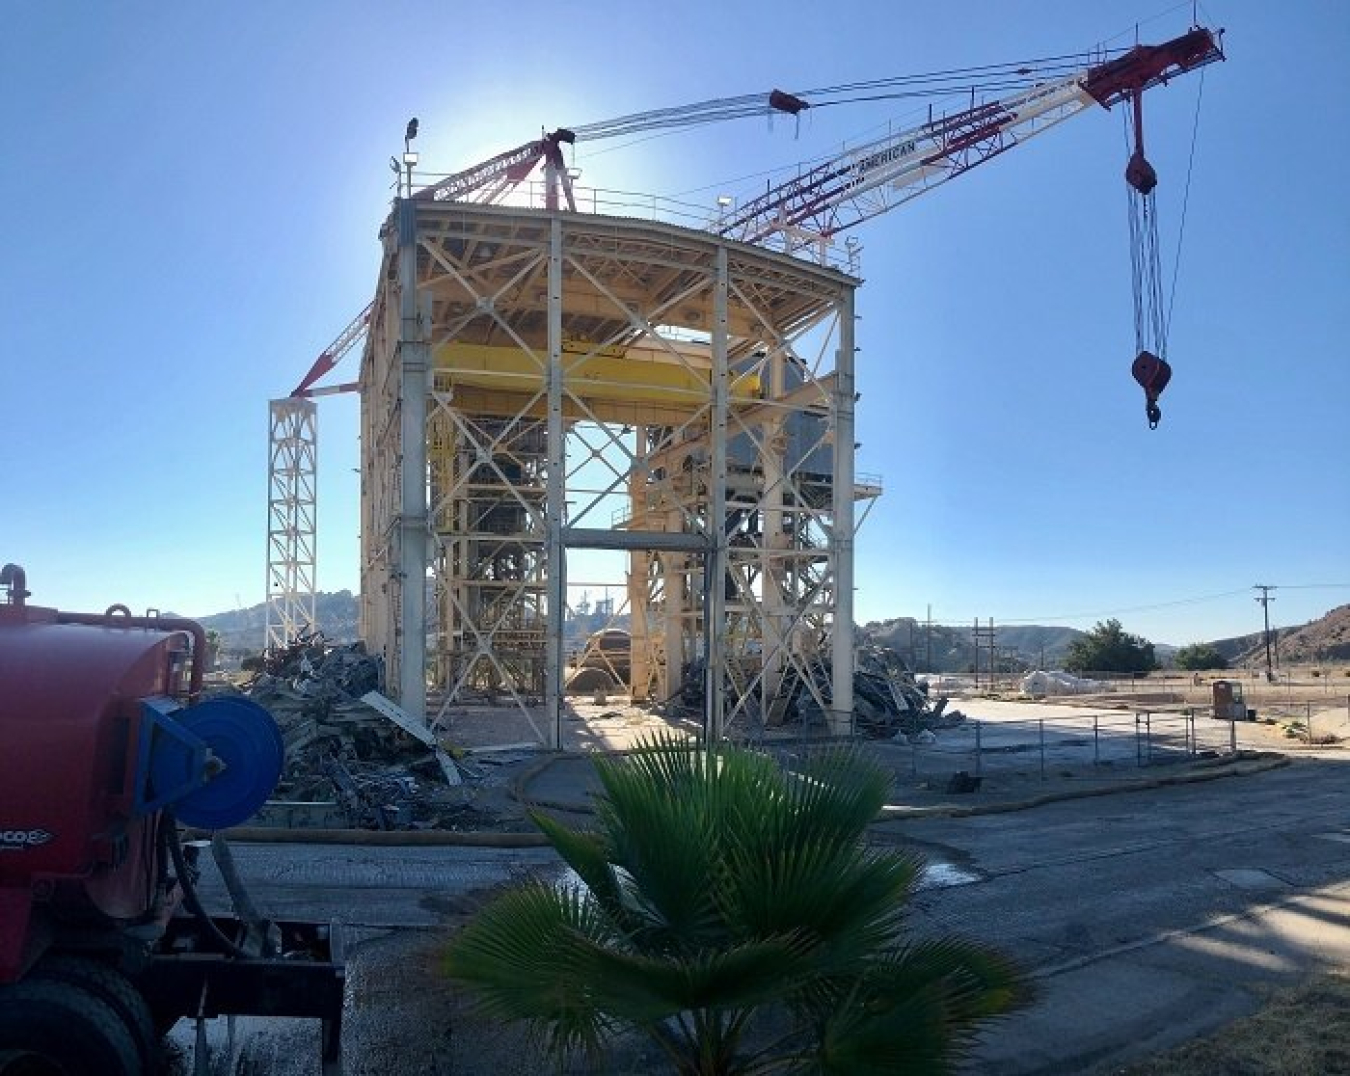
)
(1096, 746)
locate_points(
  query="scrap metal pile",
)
(888, 701)
(349, 763)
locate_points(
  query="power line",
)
(1196, 600)
(1127, 609)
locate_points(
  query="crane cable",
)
(989, 78)
(1152, 317)
(1186, 196)
(1150, 366)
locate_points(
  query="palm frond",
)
(644, 988)
(588, 855)
(916, 1010)
(716, 884)
(525, 956)
(847, 899)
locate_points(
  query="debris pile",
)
(888, 702)
(353, 759)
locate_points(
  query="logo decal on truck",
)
(16, 840)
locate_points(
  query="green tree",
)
(212, 655)
(732, 913)
(1199, 656)
(1109, 648)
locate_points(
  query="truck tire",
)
(112, 987)
(52, 1028)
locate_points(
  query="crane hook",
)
(1153, 374)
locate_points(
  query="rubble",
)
(888, 701)
(353, 758)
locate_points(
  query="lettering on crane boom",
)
(892, 154)
(889, 155)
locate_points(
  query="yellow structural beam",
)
(619, 384)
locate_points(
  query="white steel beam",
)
(555, 554)
(715, 559)
(841, 536)
(414, 384)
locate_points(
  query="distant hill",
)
(951, 647)
(246, 629)
(953, 650)
(1325, 639)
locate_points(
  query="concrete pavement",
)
(1146, 917)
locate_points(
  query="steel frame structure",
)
(292, 471)
(538, 383)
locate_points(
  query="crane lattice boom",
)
(870, 179)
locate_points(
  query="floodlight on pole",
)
(409, 155)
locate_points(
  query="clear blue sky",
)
(189, 199)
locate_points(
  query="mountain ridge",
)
(951, 646)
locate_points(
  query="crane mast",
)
(870, 179)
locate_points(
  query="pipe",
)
(158, 623)
(16, 579)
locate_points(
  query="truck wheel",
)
(57, 1029)
(114, 989)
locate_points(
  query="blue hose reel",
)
(213, 764)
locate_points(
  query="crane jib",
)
(959, 131)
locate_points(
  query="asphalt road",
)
(1145, 917)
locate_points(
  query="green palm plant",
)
(732, 913)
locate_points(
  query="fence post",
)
(1148, 735)
(1232, 736)
(1041, 722)
(979, 750)
(1307, 721)
(1096, 742)
(1138, 746)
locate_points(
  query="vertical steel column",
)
(414, 362)
(640, 633)
(678, 621)
(776, 596)
(715, 559)
(841, 537)
(555, 557)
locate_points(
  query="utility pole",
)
(1265, 599)
(928, 663)
(985, 636)
(975, 638)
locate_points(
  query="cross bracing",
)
(538, 384)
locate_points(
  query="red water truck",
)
(107, 751)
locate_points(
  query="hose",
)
(194, 905)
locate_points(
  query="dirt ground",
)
(1302, 1031)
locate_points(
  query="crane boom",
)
(874, 177)
(332, 354)
(488, 181)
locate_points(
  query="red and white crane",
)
(808, 210)
(869, 179)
